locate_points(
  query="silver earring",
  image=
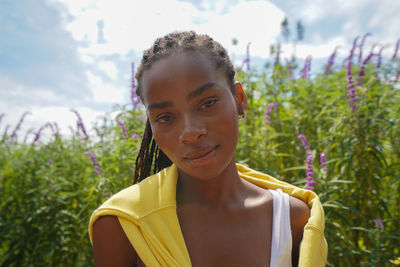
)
(241, 112)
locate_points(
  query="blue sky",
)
(61, 54)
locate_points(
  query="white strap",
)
(281, 245)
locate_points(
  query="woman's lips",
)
(201, 157)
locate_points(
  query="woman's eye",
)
(164, 119)
(209, 104)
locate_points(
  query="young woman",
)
(200, 208)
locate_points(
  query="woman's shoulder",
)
(111, 246)
(299, 215)
(294, 207)
(299, 211)
(131, 204)
(138, 200)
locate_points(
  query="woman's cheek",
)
(165, 141)
(228, 119)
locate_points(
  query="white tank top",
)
(281, 245)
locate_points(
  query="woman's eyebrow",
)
(159, 105)
(199, 90)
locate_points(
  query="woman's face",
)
(193, 113)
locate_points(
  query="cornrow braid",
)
(150, 155)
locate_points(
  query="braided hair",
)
(151, 159)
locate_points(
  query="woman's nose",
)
(193, 129)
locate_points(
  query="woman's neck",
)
(217, 193)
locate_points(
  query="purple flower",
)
(27, 133)
(373, 48)
(121, 123)
(304, 141)
(141, 117)
(268, 111)
(134, 97)
(310, 186)
(331, 61)
(57, 129)
(396, 50)
(278, 52)
(379, 223)
(246, 61)
(133, 81)
(80, 124)
(14, 133)
(289, 68)
(135, 135)
(350, 85)
(37, 136)
(362, 45)
(361, 73)
(5, 132)
(71, 129)
(323, 161)
(307, 67)
(99, 134)
(378, 64)
(309, 172)
(51, 127)
(350, 58)
(95, 162)
(1, 117)
(248, 56)
(51, 160)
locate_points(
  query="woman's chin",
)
(206, 168)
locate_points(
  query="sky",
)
(58, 55)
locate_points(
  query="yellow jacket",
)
(147, 214)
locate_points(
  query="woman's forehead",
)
(184, 68)
(179, 61)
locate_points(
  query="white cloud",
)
(63, 117)
(127, 24)
(313, 11)
(104, 92)
(257, 22)
(109, 68)
(44, 105)
(39, 116)
(136, 24)
(357, 15)
(355, 18)
(323, 50)
(352, 27)
(386, 18)
(16, 95)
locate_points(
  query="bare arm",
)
(299, 214)
(111, 247)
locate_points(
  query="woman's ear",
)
(241, 99)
